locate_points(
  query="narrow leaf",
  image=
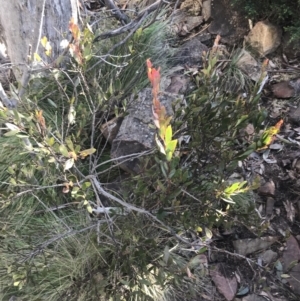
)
(12, 127)
(11, 133)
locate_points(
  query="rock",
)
(264, 38)
(249, 65)
(111, 128)
(137, 131)
(220, 14)
(268, 257)
(192, 6)
(206, 9)
(249, 246)
(183, 24)
(190, 53)
(282, 90)
(286, 89)
(179, 84)
(267, 189)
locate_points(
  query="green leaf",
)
(69, 143)
(163, 169)
(138, 33)
(86, 152)
(242, 119)
(202, 250)
(22, 136)
(50, 141)
(51, 102)
(170, 148)
(11, 133)
(168, 135)
(63, 150)
(86, 185)
(161, 185)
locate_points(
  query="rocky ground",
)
(251, 264)
(246, 264)
(265, 266)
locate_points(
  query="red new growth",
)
(154, 77)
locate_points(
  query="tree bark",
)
(24, 22)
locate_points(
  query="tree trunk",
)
(24, 22)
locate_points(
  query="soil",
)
(278, 208)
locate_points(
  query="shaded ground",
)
(260, 257)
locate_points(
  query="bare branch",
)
(130, 25)
(134, 208)
(116, 11)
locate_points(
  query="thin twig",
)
(130, 207)
(174, 10)
(123, 41)
(127, 157)
(40, 28)
(130, 25)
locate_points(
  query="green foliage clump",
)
(61, 238)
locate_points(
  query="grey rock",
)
(111, 128)
(183, 23)
(269, 256)
(248, 64)
(137, 132)
(249, 246)
(190, 53)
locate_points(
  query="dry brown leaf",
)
(290, 258)
(226, 285)
(291, 253)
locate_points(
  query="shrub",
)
(144, 244)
